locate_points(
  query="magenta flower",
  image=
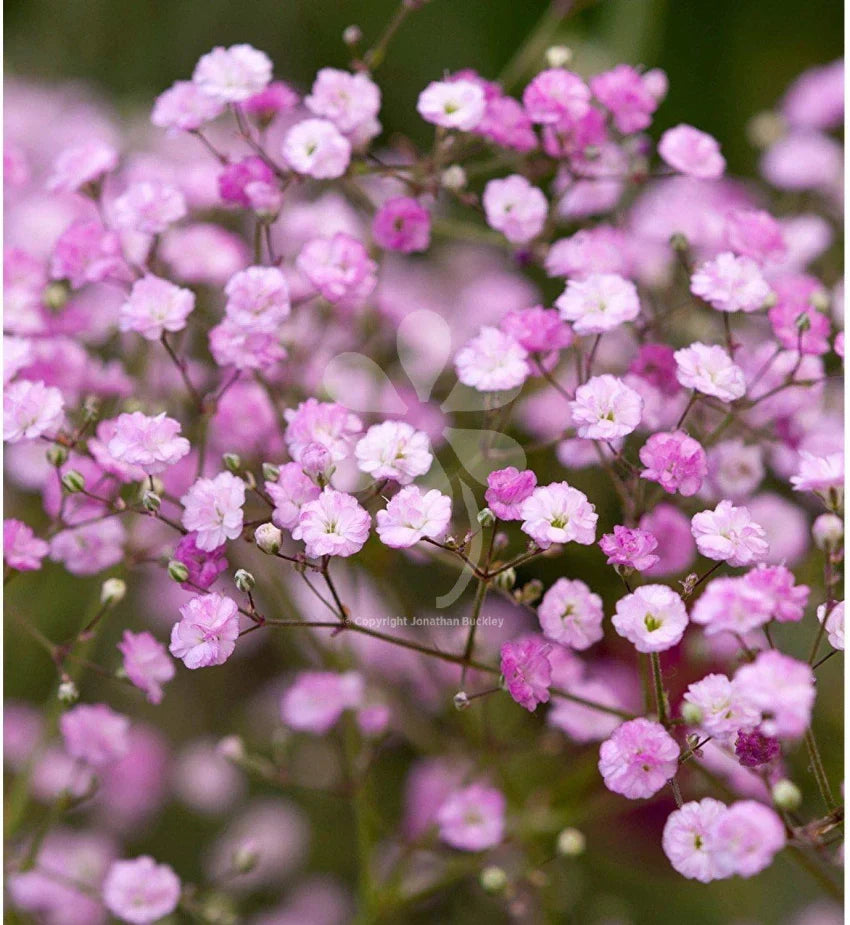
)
(632, 548)
(556, 96)
(754, 749)
(676, 461)
(527, 671)
(204, 565)
(507, 489)
(627, 95)
(537, 329)
(207, 631)
(402, 224)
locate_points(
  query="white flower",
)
(492, 362)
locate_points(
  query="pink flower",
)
(141, 891)
(507, 489)
(735, 470)
(22, 549)
(656, 364)
(775, 585)
(492, 361)
(803, 160)
(292, 490)
(207, 631)
(402, 224)
(316, 147)
(89, 548)
(333, 525)
(339, 267)
(515, 207)
(146, 663)
(527, 671)
(823, 475)
(556, 96)
(148, 206)
(692, 152)
(834, 625)
(183, 107)
(795, 320)
(317, 699)
(155, 306)
(453, 104)
(86, 252)
(731, 605)
(232, 75)
(235, 180)
(623, 91)
(744, 839)
(816, 98)
(558, 513)
(600, 302)
(537, 329)
(80, 165)
(686, 839)
(598, 250)
(605, 408)
(394, 450)
(204, 565)
(676, 461)
(412, 515)
(328, 423)
(233, 344)
(672, 529)
(350, 101)
(638, 759)
(731, 284)
(95, 734)
(571, 614)
(277, 98)
(722, 712)
(630, 547)
(755, 234)
(729, 533)
(153, 444)
(709, 369)
(473, 818)
(653, 618)
(30, 409)
(213, 510)
(257, 299)
(782, 689)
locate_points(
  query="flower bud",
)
(453, 178)
(177, 571)
(57, 455)
(786, 795)
(244, 580)
(315, 460)
(558, 55)
(486, 517)
(691, 714)
(571, 843)
(828, 531)
(232, 462)
(112, 591)
(268, 538)
(56, 294)
(151, 501)
(232, 748)
(271, 473)
(73, 481)
(506, 579)
(493, 879)
(91, 408)
(68, 691)
(530, 591)
(460, 700)
(352, 35)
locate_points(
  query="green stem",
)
(660, 695)
(818, 769)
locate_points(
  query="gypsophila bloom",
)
(527, 672)
(630, 547)
(204, 565)
(257, 298)
(232, 75)
(212, 509)
(731, 605)
(627, 95)
(834, 625)
(472, 819)
(146, 663)
(538, 329)
(184, 107)
(87, 253)
(731, 284)
(155, 306)
(605, 408)
(80, 165)
(402, 224)
(571, 614)
(22, 549)
(686, 839)
(729, 533)
(316, 147)
(292, 490)
(141, 891)
(328, 423)
(151, 443)
(779, 687)
(507, 489)
(558, 513)
(774, 584)
(638, 759)
(394, 450)
(207, 631)
(457, 104)
(600, 302)
(722, 713)
(753, 750)
(823, 475)
(492, 361)
(754, 233)
(692, 152)
(149, 206)
(339, 267)
(709, 369)
(515, 207)
(556, 95)
(412, 515)
(653, 618)
(676, 461)
(317, 699)
(656, 364)
(350, 101)
(30, 409)
(735, 470)
(95, 734)
(235, 180)
(333, 525)
(745, 838)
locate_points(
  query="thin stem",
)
(660, 695)
(478, 603)
(818, 769)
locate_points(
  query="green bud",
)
(112, 591)
(571, 843)
(820, 300)
(493, 879)
(352, 35)
(151, 501)
(68, 691)
(57, 455)
(268, 538)
(506, 580)
(558, 55)
(486, 517)
(232, 462)
(691, 714)
(56, 294)
(271, 473)
(244, 580)
(786, 795)
(245, 858)
(73, 481)
(177, 571)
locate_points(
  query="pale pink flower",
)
(232, 75)
(328, 423)
(729, 533)
(744, 839)
(527, 671)
(207, 631)
(507, 489)
(22, 549)
(755, 234)
(556, 95)
(558, 513)
(803, 159)
(473, 818)
(781, 689)
(686, 839)
(676, 461)
(412, 515)
(571, 614)
(630, 547)
(339, 267)
(515, 207)
(638, 759)
(183, 107)
(31, 409)
(80, 165)
(394, 450)
(153, 444)
(95, 734)
(492, 361)
(141, 891)
(815, 99)
(316, 147)
(774, 584)
(233, 344)
(89, 548)
(834, 623)
(627, 95)
(292, 490)
(823, 475)
(581, 723)
(257, 299)
(350, 101)
(722, 712)
(146, 663)
(333, 525)
(653, 618)
(86, 252)
(731, 605)
(735, 469)
(402, 224)
(605, 408)
(731, 284)
(709, 369)
(538, 329)
(213, 510)
(148, 206)
(692, 152)
(454, 104)
(317, 699)
(599, 302)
